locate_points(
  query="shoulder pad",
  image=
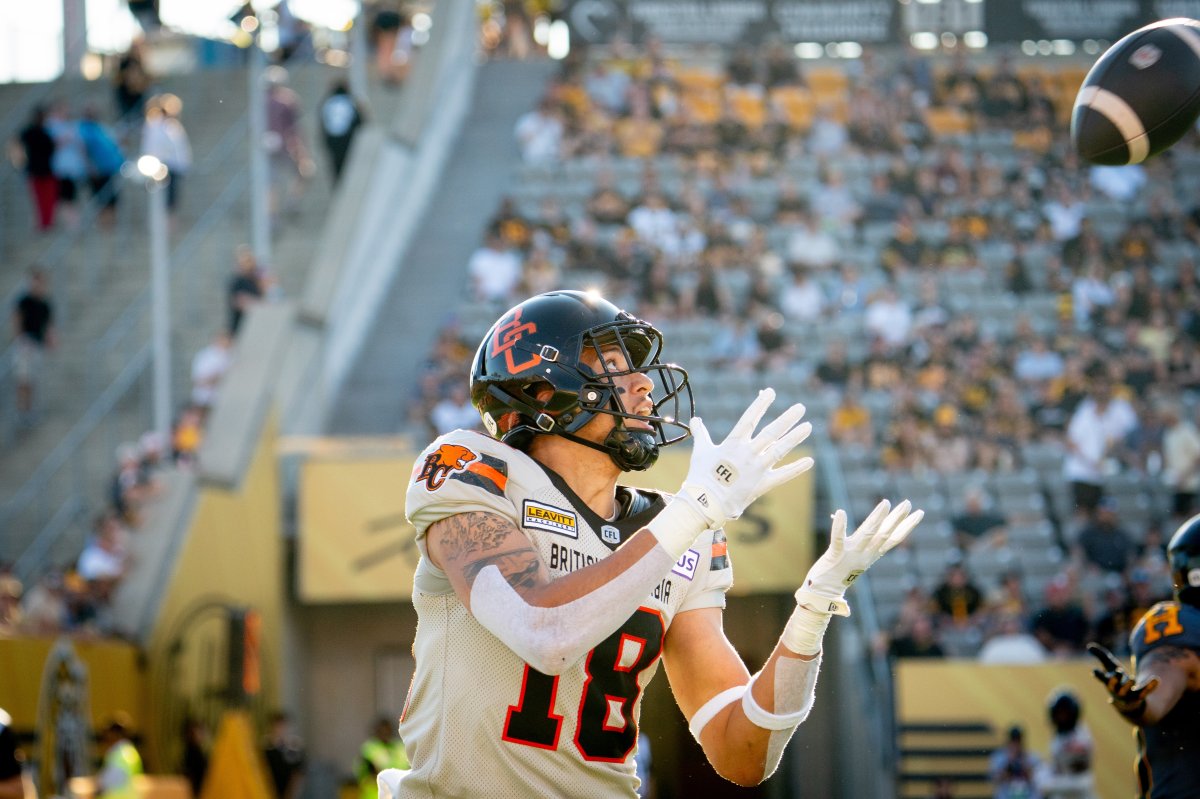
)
(466, 456)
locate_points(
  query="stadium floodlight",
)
(559, 43)
(924, 40)
(152, 168)
(976, 40)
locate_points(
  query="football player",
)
(1067, 774)
(547, 593)
(1162, 697)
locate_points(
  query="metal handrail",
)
(865, 617)
(71, 444)
(181, 256)
(62, 455)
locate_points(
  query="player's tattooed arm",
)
(466, 543)
(468, 533)
(521, 568)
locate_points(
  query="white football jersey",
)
(479, 721)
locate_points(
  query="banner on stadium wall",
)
(1018, 20)
(753, 22)
(355, 544)
(731, 22)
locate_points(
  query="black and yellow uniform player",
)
(11, 761)
(1162, 697)
(383, 750)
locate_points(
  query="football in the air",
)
(1141, 96)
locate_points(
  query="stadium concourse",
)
(902, 241)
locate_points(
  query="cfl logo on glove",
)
(725, 473)
(852, 576)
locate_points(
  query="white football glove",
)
(825, 586)
(823, 593)
(723, 479)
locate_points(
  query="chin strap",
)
(631, 451)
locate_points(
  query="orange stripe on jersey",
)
(720, 549)
(483, 470)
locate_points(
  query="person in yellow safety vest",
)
(383, 750)
(121, 763)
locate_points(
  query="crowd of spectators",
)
(914, 248)
(77, 597)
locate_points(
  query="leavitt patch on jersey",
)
(550, 519)
(687, 564)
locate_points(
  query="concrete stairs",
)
(431, 283)
(100, 280)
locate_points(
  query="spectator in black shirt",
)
(918, 642)
(978, 521)
(245, 287)
(10, 761)
(1061, 625)
(36, 154)
(1103, 542)
(33, 326)
(341, 116)
(835, 369)
(285, 757)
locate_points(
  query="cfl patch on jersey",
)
(538, 516)
(687, 564)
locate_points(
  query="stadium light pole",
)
(156, 174)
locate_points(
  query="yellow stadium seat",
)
(702, 106)
(699, 80)
(748, 106)
(947, 121)
(827, 81)
(795, 105)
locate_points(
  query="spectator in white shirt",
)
(811, 245)
(889, 318)
(209, 366)
(1121, 183)
(655, 223)
(1090, 294)
(455, 412)
(164, 137)
(802, 300)
(495, 270)
(539, 133)
(1038, 363)
(1096, 429)
(828, 136)
(1065, 214)
(1181, 460)
(105, 558)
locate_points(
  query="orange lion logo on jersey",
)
(445, 459)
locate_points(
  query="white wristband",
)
(712, 707)
(804, 630)
(678, 524)
(769, 721)
(820, 603)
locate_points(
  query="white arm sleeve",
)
(551, 639)
(795, 692)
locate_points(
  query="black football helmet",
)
(1183, 554)
(1064, 709)
(541, 342)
